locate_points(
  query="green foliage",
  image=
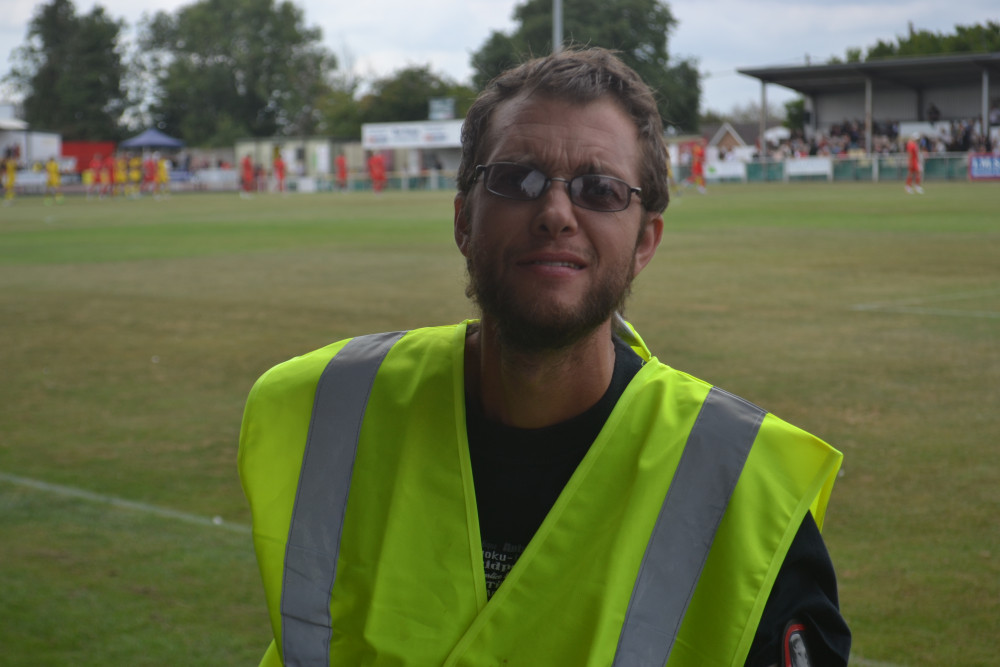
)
(679, 89)
(638, 29)
(499, 52)
(795, 114)
(979, 38)
(71, 72)
(234, 68)
(340, 113)
(405, 95)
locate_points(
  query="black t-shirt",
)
(519, 473)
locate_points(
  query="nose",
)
(558, 215)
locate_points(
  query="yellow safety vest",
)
(355, 462)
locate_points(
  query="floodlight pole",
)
(763, 118)
(986, 106)
(557, 26)
(868, 115)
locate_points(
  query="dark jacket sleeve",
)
(805, 592)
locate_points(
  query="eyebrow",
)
(592, 168)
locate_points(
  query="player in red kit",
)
(341, 162)
(108, 176)
(914, 169)
(376, 169)
(279, 172)
(247, 177)
(698, 167)
(92, 175)
(149, 168)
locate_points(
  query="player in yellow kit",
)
(9, 179)
(53, 179)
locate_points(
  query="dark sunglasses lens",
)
(599, 193)
(515, 181)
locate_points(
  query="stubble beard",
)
(527, 326)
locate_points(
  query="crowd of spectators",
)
(848, 139)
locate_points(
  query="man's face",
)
(546, 273)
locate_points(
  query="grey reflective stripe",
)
(321, 500)
(709, 468)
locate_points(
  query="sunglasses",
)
(594, 192)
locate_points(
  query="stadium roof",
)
(908, 73)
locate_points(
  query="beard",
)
(529, 325)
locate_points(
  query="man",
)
(535, 488)
(52, 182)
(121, 175)
(163, 167)
(376, 171)
(247, 176)
(9, 179)
(698, 166)
(279, 171)
(149, 169)
(92, 175)
(341, 163)
(914, 168)
(107, 176)
(134, 175)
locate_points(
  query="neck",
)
(537, 389)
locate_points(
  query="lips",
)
(569, 265)
(555, 260)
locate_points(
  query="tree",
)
(227, 69)
(70, 72)
(406, 94)
(966, 39)
(795, 115)
(637, 29)
(339, 111)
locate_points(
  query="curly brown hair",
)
(576, 75)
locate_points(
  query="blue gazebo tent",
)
(151, 139)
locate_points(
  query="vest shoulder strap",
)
(710, 466)
(321, 499)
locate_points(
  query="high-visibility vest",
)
(355, 461)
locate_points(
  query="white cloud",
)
(786, 32)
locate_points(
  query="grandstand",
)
(858, 118)
(880, 98)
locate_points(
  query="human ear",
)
(461, 224)
(648, 242)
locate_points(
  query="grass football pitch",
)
(131, 331)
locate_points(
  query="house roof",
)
(715, 131)
(887, 73)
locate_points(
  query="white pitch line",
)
(913, 306)
(914, 310)
(73, 492)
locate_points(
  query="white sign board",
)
(809, 166)
(419, 134)
(726, 169)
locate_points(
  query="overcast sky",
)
(382, 36)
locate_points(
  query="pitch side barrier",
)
(442, 179)
(890, 168)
